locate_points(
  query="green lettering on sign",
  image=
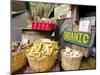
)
(85, 38)
(75, 36)
(79, 38)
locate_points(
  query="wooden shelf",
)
(30, 29)
(16, 13)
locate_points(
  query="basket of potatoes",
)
(42, 54)
(70, 59)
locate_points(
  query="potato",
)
(71, 52)
(67, 49)
(76, 53)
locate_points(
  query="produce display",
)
(42, 48)
(70, 59)
(14, 46)
(85, 51)
(49, 20)
(71, 52)
(17, 46)
(18, 56)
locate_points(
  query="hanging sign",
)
(62, 11)
(78, 38)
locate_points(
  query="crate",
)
(42, 26)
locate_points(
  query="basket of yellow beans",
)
(42, 54)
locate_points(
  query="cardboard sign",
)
(78, 38)
(84, 26)
(62, 11)
(92, 20)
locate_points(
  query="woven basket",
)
(70, 63)
(18, 60)
(41, 65)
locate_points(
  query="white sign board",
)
(84, 26)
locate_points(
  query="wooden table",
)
(87, 64)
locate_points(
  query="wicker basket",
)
(18, 60)
(70, 63)
(41, 65)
